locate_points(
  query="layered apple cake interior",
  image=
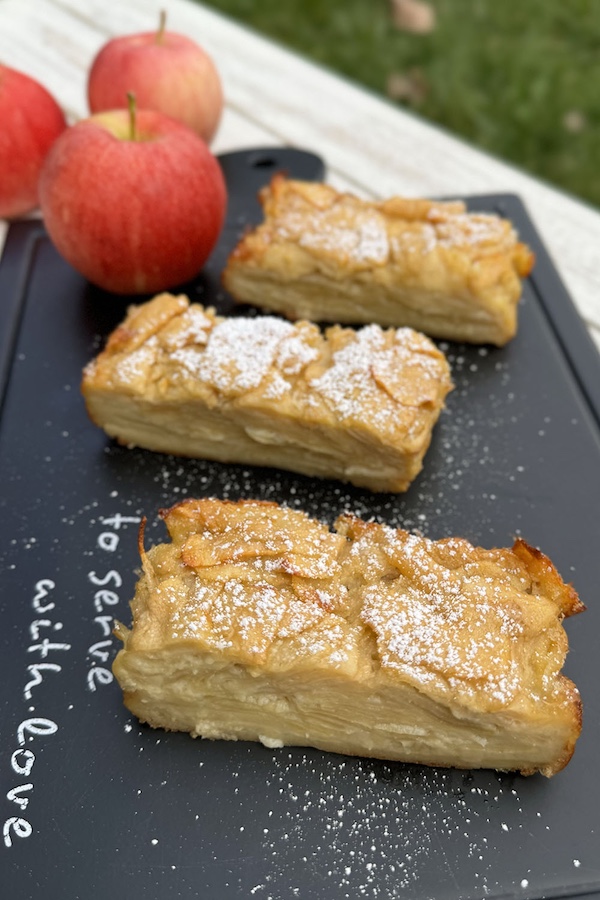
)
(429, 265)
(358, 406)
(256, 622)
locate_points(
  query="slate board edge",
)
(18, 264)
(568, 327)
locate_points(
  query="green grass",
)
(503, 74)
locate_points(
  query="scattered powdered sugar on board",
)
(369, 828)
(351, 828)
(362, 828)
(301, 823)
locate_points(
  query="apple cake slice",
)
(333, 257)
(256, 622)
(355, 405)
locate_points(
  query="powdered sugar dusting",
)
(445, 615)
(364, 239)
(352, 384)
(293, 354)
(390, 384)
(342, 229)
(135, 365)
(193, 329)
(345, 383)
(240, 352)
(475, 229)
(254, 621)
(445, 624)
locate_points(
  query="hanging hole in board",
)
(262, 161)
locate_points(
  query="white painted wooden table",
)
(276, 97)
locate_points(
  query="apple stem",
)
(161, 27)
(132, 107)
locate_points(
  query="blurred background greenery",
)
(519, 79)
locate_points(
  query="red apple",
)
(166, 71)
(134, 205)
(30, 121)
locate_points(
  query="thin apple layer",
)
(359, 406)
(258, 623)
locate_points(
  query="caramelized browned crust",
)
(259, 623)
(332, 257)
(355, 405)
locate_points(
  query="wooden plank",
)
(40, 39)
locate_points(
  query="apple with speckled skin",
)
(30, 122)
(166, 71)
(135, 201)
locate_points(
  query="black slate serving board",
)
(95, 805)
